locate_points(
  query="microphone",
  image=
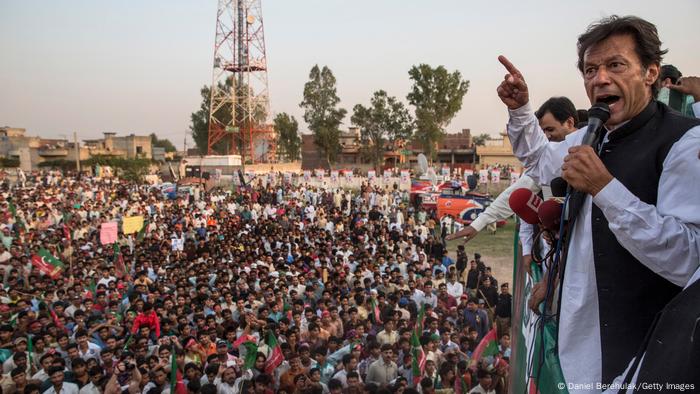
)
(524, 203)
(549, 213)
(597, 116)
(559, 187)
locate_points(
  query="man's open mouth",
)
(607, 99)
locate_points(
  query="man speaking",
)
(636, 241)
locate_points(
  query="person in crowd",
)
(208, 279)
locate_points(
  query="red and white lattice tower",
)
(239, 102)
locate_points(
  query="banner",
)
(405, 176)
(527, 339)
(334, 177)
(47, 263)
(320, 173)
(495, 176)
(483, 176)
(514, 176)
(387, 175)
(288, 177)
(445, 171)
(348, 175)
(132, 224)
(108, 233)
(371, 175)
(307, 175)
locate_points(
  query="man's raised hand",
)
(513, 90)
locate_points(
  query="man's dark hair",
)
(671, 72)
(54, 370)
(17, 371)
(208, 388)
(194, 386)
(78, 362)
(582, 118)
(646, 38)
(561, 109)
(334, 384)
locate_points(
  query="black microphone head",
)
(559, 187)
(600, 111)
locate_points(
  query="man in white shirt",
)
(58, 386)
(388, 336)
(106, 278)
(86, 348)
(454, 288)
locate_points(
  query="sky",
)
(130, 66)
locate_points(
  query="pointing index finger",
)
(509, 66)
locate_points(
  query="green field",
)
(498, 245)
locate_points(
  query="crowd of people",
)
(258, 289)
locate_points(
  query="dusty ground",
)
(496, 251)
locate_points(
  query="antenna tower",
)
(239, 100)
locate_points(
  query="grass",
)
(498, 245)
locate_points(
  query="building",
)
(130, 146)
(455, 150)
(32, 151)
(497, 151)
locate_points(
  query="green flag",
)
(30, 348)
(177, 384)
(173, 370)
(18, 220)
(251, 353)
(49, 258)
(47, 263)
(142, 232)
(418, 359)
(420, 319)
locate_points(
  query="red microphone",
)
(549, 213)
(525, 203)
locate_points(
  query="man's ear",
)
(570, 123)
(652, 74)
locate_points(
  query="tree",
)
(481, 139)
(320, 112)
(288, 140)
(437, 96)
(381, 125)
(164, 143)
(200, 120)
(130, 169)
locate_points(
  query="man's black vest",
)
(629, 293)
(671, 348)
